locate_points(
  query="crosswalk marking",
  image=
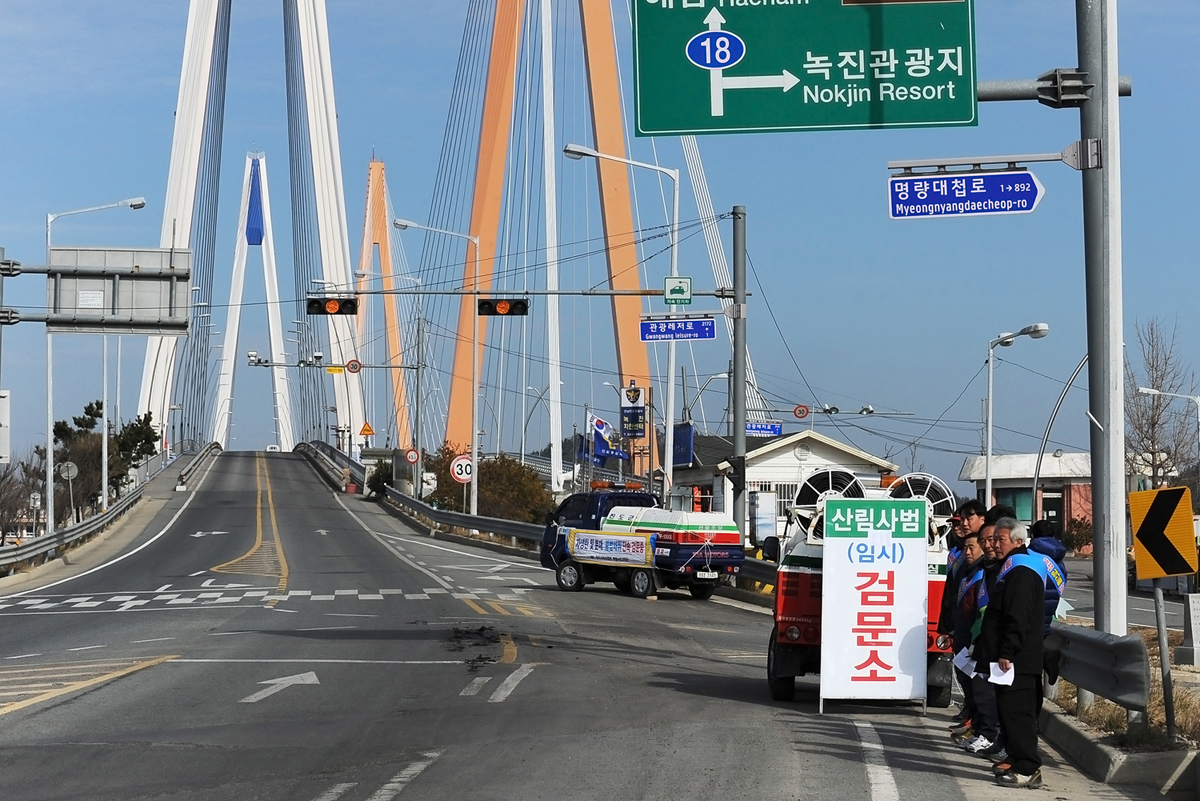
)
(402, 779)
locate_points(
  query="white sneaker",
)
(978, 744)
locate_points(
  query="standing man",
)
(966, 522)
(1011, 639)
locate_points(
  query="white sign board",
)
(5, 431)
(873, 599)
(460, 469)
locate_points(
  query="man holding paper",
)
(1009, 650)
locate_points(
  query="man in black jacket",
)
(967, 521)
(1011, 637)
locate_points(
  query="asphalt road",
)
(1140, 606)
(264, 638)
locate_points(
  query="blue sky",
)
(896, 314)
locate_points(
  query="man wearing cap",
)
(966, 521)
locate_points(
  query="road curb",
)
(1172, 773)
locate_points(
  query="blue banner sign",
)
(964, 194)
(661, 330)
(764, 429)
(684, 450)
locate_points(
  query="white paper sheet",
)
(964, 662)
(1003, 677)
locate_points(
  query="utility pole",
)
(420, 466)
(1099, 128)
(738, 310)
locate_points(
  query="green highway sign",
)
(743, 66)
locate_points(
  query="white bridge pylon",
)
(317, 192)
(254, 228)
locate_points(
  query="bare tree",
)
(1161, 435)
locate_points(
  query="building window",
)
(1020, 500)
(786, 497)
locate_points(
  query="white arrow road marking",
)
(475, 686)
(322, 532)
(208, 533)
(402, 779)
(275, 685)
(210, 584)
(508, 685)
(784, 81)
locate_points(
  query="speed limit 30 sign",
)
(460, 469)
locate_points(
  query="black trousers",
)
(1018, 708)
(968, 691)
(987, 718)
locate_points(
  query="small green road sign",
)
(677, 291)
(742, 66)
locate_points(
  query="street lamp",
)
(131, 203)
(1193, 398)
(541, 394)
(687, 408)
(404, 225)
(1035, 331)
(573, 151)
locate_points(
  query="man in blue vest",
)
(967, 521)
(1011, 639)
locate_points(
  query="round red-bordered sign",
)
(411, 456)
(800, 412)
(460, 469)
(353, 366)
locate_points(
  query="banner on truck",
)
(600, 548)
(873, 597)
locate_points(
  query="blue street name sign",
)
(764, 429)
(964, 195)
(661, 330)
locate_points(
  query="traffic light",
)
(332, 306)
(492, 307)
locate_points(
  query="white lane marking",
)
(22, 656)
(38, 610)
(276, 608)
(328, 628)
(390, 547)
(883, 784)
(280, 684)
(346, 614)
(155, 639)
(191, 496)
(335, 792)
(401, 780)
(163, 588)
(525, 565)
(87, 647)
(475, 686)
(317, 661)
(762, 610)
(508, 685)
(197, 573)
(228, 633)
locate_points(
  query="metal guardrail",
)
(341, 460)
(759, 570)
(186, 474)
(529, 532)
(1113, 667)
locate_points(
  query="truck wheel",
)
(641, 582)
(569, 576)
(702, 592)
(783, 688)
(937, 696)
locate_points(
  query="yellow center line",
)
(499, 608)
(283, 565)
(80, 685)
(474, 606)
(510, 649)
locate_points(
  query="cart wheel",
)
(702, 592)
(783, 688)
(937, 697)
(641, 582)
(623, 584)
(569, 576)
